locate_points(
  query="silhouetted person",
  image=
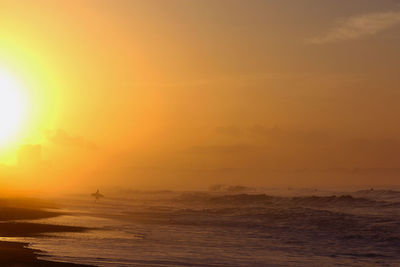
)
(97, 195)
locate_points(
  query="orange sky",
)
(185, 94)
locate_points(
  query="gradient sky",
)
(186, 93)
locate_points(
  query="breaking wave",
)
(263, 199)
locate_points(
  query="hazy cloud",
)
(291, 136)
(218, 149)
(61, 137)
(359, 26)
(229, 130)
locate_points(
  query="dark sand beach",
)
(19, 254)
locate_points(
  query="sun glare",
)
(12, 106)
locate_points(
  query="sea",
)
(228, 226)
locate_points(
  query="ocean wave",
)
(344, 200)
(263, 200)
(386, 195)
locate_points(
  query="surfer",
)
(97, 195)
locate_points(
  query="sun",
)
(12, 106)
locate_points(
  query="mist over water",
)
(229, 226)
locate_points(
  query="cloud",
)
(229, 130)
(61, 137)
(222, 149)
(288, 136)
(358, 27)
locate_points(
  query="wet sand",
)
(18, 254)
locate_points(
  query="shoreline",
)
(13, 253)
(19, 254)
